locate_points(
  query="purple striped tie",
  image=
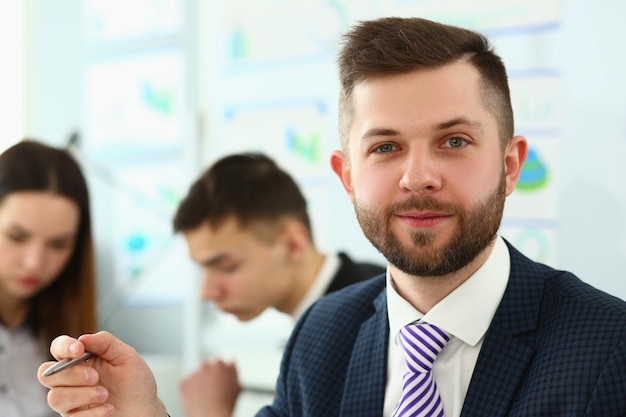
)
(422, 342)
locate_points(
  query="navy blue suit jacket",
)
(556, 347)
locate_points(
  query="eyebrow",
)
(377, 131)
(460, 121)
(214, 260)
(14, 227)
(456, 121)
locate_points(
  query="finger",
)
(45, 382)
(232, 367)
(78, 375)
(67, 400)
(184, 382)
(66, 347)
(94, 410)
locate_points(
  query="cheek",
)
(470, 182)
(372, 187)
(271, 273)
(247, 281)
(8, 260)
(10, 253)
(57, 262)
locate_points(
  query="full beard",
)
(477, 228)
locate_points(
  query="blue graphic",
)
(534, 173)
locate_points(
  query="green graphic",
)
(306, 147)
(161, 100)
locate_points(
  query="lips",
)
(28, 282)
(422, 215)
(426, 219)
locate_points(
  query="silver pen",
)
(66, 363)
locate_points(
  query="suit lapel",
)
(508, 345)
(364, 393)
(500, 367)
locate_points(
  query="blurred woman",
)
(47, 278)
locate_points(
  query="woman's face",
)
(38, 232)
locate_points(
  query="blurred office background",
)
(151, 91)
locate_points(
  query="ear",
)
(341, 166)
(514, 157)
(296, 239)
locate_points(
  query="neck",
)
(423, 293)
(13, 312)
(305, 273)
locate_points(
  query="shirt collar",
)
(466, 312)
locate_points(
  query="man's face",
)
(426, 172)
(242, 274)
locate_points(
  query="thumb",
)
(108, 347)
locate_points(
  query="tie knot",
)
(422, 342)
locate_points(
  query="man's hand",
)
(211, 390)
(115, 383)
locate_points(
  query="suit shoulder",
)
(563, 289)
(347, 305)
(564, 293)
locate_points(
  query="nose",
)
(210, 288)
(34, 258)
(420, 172)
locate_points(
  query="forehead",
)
(227, 237)
(429, 84)
(421, 96)
(41, 213)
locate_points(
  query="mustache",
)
(423, 204)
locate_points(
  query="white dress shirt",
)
(21, 394)
(465, 313)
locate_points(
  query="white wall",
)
(53, 71)
(11, 72)
(593, 193)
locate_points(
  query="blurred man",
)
(246, 224)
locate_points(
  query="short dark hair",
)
(68, 305)
(248, 186)
(394, 45)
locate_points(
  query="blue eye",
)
(456, 142)
(385, 148)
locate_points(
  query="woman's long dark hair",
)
(67, 306)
